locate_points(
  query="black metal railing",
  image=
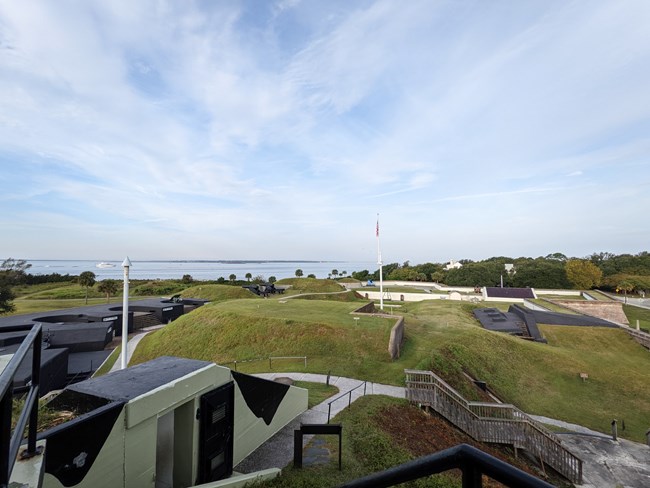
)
(10, 444)
(472, 462)
(348, 394)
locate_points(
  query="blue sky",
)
(279, 129)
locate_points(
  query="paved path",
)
(277, 452)
(132, 344)
(607, 462)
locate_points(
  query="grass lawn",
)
(636, 313)
(553, 307)
(366, 448)
(599, 296)
(29, 305)
(318, 392)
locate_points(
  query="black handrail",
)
(349, 393)
(473, 463)
(10, 444)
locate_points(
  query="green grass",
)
(65, 292)
(339, 296)
(538, 378)
(318, 392)
(217, 293)
(309, 285)
(636, 313)
(324, 331)
(28, 305)
(599, 296)
(365, 449)
(108, 364)
(553, 307)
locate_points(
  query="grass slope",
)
(217, 293)
(309, 285)
(636, 313)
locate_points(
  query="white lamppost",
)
(125, 312)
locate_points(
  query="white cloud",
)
(297, 120)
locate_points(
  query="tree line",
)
(623, 272)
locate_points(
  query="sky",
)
(281, 129)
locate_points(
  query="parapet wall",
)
(612, 311)
(396, 339)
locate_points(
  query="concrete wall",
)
(612, 311)
(251, 431)
(566, 293)
(408, 297)
(367, 308)
(396, 339)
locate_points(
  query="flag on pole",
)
(377, 228)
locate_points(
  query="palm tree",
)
(233, 277)
(249, 276)
(87, 280)
(298, 273)
(335, 272)
(109, 287)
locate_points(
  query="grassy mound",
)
(64, 292)
(440, 335)
(348, 296)
(309, 285)
(325, 332)
(217, 293)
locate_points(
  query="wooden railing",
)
(641, 337)
(497, 423)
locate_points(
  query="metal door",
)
(216, 420)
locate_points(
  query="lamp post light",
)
(125, 312)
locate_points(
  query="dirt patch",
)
(422, 434)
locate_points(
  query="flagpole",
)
(381, 278)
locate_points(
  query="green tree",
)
(248, 276)
(343, 273)
(13, 271)
(335, 272)
(311, 275)
(583, 274)
(272, 279)
(298, 273)
(187, 279)
(232, 277)
(6, 300)
(108, 287)
(87, 280)
(540, 273)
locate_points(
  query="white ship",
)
(104, 265)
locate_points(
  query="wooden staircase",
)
(492, 422)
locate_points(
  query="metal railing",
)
(10, 443)
(348, 394)
(472, 462)
(498, 423)
(270, 359)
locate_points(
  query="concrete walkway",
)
(607, 462)
(131, 345)
(277, 452)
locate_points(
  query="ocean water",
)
(199, 270)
